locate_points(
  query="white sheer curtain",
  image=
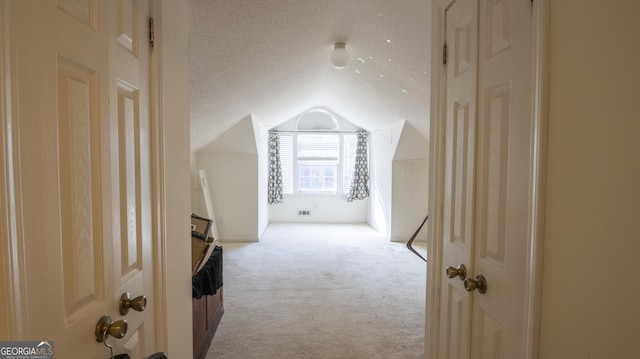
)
(275, 168)
(360, 180)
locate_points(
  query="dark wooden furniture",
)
(207, 312)
(207, 303)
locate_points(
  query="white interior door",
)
(459, 175)
(129, 112)
(487, 163)
(81, 111)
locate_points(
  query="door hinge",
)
(444, 54)
(152, 32)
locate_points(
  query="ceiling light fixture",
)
(339, 56)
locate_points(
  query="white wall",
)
(262, 144)
(409, 191)
(232, 168)
(383, 143)
(326, 209)
(237, 159)
(198, 205)
(592, 237)
(399, 181)
(233, 181)
(409, 199)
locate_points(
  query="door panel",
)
(487, 136)
(83, 272)
(491, 238)
(83, 152)
(459, 175)
(504, 163)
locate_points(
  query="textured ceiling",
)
(270, 59)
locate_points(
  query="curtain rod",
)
(321, 131)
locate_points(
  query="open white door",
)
(130, 131)
(82, 172)
(486, 162)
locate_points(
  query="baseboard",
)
(406, 239)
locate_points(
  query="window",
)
(317, 163)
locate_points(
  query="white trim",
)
(11, 248)
(537, 193)
(173, 179)
(301, 118)
(436, 171)
(159, 237)
(6, 300)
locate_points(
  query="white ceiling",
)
(270, 59)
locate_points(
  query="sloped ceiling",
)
(270, 59)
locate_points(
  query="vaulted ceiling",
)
(270, 59)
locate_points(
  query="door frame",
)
(170, 91)
(157, 185)
(533, 280)
(11, 251)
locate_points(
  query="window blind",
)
(318, 147)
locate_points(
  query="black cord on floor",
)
(413, 237)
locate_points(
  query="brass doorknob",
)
(461, 271)
(137, 303)
(472, 284)
(106, 327)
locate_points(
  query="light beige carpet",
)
(321, 291)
